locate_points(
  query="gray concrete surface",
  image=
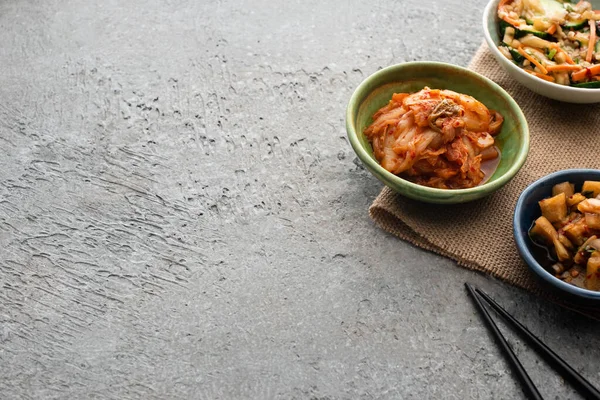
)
(181, 216)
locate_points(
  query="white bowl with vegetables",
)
(549, 46)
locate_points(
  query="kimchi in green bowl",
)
(375, 92)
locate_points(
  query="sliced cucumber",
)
(503, 26)
(519, 33)
(516, 55)
(588, 85)
(577, 25)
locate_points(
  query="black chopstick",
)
(564, 369)
(528, 386)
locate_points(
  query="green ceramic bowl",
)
(376, 91)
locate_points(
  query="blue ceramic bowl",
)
(528, 210)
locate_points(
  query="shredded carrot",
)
(511, 21)
(532, 60)
(541, 76)
(585, 73)
(552, 29)
(563, 67)
(504, 15)
(592, 43)
(568, 58)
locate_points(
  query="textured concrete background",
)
(182, 217)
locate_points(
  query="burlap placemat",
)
(478, 235)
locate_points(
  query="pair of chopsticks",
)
(579, 382)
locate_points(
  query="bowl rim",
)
(522, 245)
(493, 45)
(488, 187)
